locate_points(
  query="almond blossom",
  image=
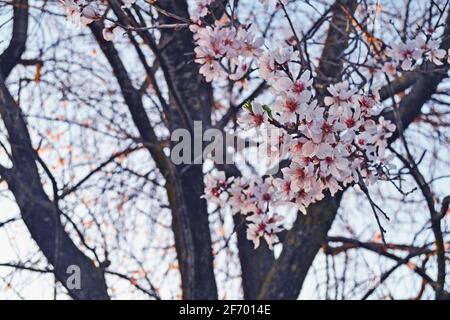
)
(254, 117)
(110, 33)
(262, 225)
(407, 54)
(295, 86)
(215, 186)
(435, 54)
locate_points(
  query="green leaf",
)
(267, 109)
(248, 105)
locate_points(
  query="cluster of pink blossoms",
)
(80, 11)
(201, 10)
(251, 198)
(328, 146)
(408, 54)
(85, 12)
(225, 49)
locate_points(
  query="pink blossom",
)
(253, 118)
(296, 87)
(262, 225)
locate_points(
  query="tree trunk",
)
(41, 215)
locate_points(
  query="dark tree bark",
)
(39, 213)
(255, 263)
(11, 55)
(190, 100)
(330, 66)
(303, 241)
